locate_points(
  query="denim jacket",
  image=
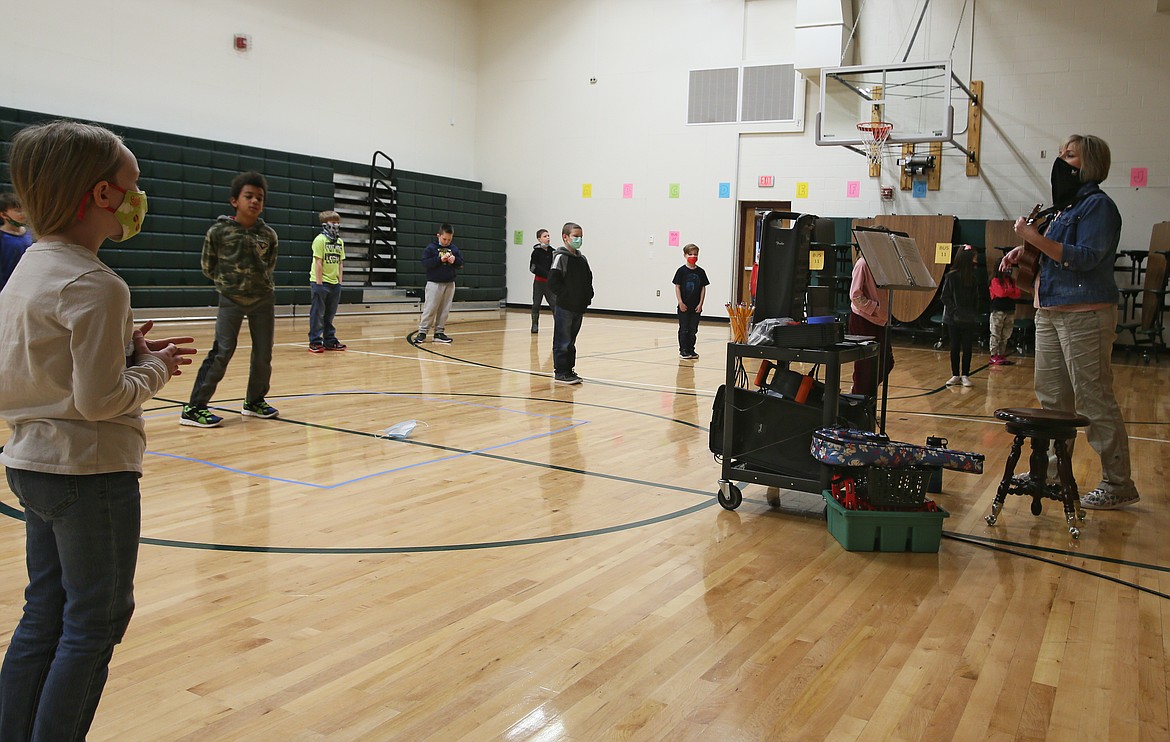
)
(1089, 231)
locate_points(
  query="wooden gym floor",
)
(542, 562)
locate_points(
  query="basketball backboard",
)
(915, 97)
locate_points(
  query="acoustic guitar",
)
(1029, 262)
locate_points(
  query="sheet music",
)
(911, 260)
(894, 261)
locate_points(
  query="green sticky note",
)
(518, 237)
(674, 190)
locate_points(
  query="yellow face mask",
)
(130, 213)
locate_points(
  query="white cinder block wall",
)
(1049, 68)
(499, 91)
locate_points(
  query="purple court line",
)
(576, 423)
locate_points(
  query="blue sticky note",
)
(919, 189)
(725, 190)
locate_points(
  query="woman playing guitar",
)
(1076, 310)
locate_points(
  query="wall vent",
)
(713, 96)
(756, 94)
(768, 93)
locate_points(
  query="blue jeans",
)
(688, 330)
(261, 326)
(81, 544)
(322, 310)
(566, 325)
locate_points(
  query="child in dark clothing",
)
(963, 299)
(690, 289)
(541, 261)
(571, 282)
(15, 237)
(1004, 293)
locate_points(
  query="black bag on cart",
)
(775, 434)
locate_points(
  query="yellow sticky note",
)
(816, 260)
(802, 190)
(586, 190)
(942, 253)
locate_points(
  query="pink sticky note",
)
(1138, 177)
(628, 190)
(673, 241)
(853, 189)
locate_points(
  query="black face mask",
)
(1066, 181)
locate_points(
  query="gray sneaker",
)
(1099, 499)
(420, 338)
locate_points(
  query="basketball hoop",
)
(874, 135)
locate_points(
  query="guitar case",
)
(846, 447)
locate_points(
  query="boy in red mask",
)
(690, 288)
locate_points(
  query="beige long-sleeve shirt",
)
(69, 387)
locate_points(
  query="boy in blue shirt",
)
(15, 237)
(441, 259)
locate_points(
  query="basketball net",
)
(874, 135)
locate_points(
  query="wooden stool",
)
(1042, 426)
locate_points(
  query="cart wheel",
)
(1037, 506)
(732, 499)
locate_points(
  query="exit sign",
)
(767, 181)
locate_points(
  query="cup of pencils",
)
(741, 320)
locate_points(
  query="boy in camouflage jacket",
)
(239, 255)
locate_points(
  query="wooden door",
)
(750, 215)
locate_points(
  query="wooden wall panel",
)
(909, 306)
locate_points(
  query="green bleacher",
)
(188, 180)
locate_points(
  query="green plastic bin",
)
(875, 530)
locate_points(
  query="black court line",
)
(543, 375)
(710, 501)
(974, 540)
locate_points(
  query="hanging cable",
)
(852, 31)
(958, 26)
(905, 33)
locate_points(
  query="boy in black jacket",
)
(542, 255)
(571, 282)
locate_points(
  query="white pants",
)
(436, 305)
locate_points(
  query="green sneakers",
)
(199, 417)
(260, 408)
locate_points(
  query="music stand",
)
(896, 264)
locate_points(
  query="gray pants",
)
(540, 290)
(436, 305)
(1074, 373)
(262, 329)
